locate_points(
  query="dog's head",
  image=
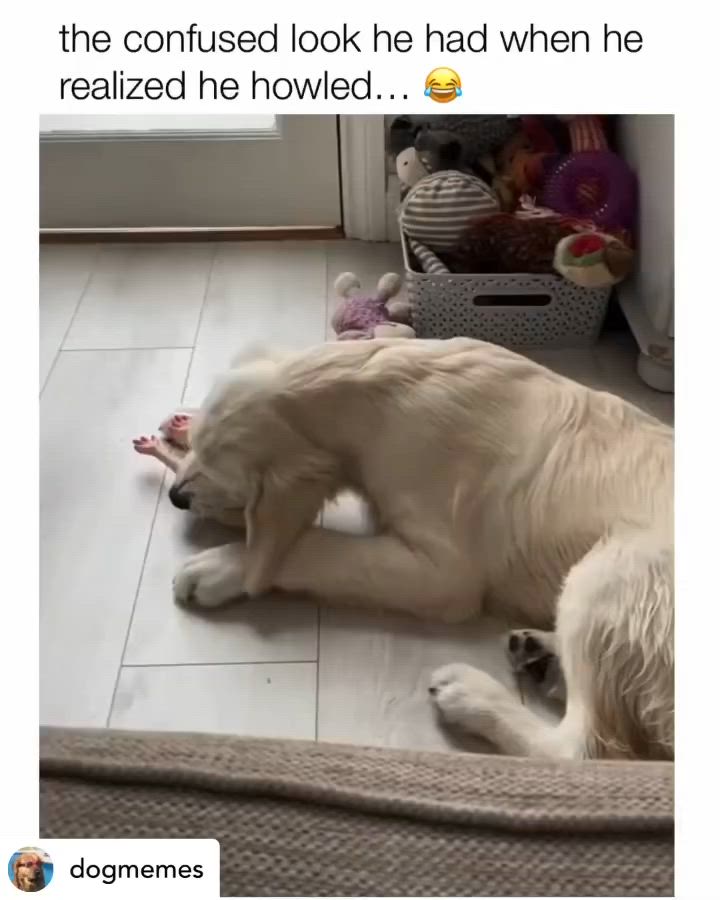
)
(192, 489)
(250, 448)
(231, 439)
(28, 872)
(210, 480)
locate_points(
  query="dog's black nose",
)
(178, 498)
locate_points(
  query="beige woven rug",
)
(305, 819)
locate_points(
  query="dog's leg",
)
(350, 570)
(380, 571)
(618, 669)
(477, 703)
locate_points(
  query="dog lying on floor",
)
(497, 485)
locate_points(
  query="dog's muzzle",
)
(179, 498)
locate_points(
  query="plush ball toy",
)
(592, 259)
(438, 209)
(362, 316)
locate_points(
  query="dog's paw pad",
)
(533, 653)
(526, 647)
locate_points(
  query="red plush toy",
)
(593, 259)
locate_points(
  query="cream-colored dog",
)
(497, 486)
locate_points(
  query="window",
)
(185, 127)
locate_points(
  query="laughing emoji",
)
(443, 85)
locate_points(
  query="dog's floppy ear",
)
(279, 509)
(16, 866)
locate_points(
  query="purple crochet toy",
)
(362, 317)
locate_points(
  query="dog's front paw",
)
(464, 695)
(211, 578)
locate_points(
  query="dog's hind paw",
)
(533, 653)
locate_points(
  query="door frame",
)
(363, 176)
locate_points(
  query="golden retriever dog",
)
(497, 486)
(28, 873)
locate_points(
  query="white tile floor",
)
(127, 333)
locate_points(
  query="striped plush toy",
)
(438, 209)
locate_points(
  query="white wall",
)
(647, 143)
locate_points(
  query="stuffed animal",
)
(523, 163)
(362, 316)
(592, 259)
(537, 240)
(479, 136)
(433, 151)
(461, 143)
(409, 168)
(438, 210)
(505, 243)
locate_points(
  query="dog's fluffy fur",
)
(496, 484)
(28, 873)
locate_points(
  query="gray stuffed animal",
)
(439, 143)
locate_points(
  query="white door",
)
(148, 171)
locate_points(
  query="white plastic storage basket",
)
(517, 311)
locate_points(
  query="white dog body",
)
(497, 486)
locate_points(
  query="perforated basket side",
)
(446, 306)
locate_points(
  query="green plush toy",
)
(592, 259)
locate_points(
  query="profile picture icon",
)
(30, 869)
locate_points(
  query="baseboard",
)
(169, 235)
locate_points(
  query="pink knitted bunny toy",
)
(362, 317)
